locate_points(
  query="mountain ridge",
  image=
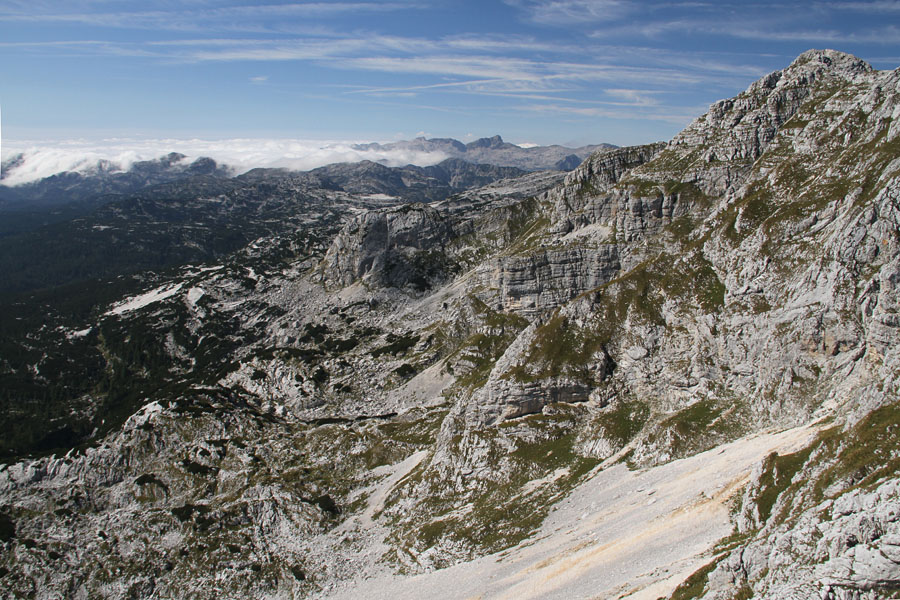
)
(494, 150)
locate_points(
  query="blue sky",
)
(542, 71)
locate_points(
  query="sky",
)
(569, 72)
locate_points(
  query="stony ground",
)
(621, 534)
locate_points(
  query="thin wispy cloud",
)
(634, 97)
(503, 44)
(386, 94)
(567, 12)
(606, 113)
(295, 51)
(202, 19)
(886, 6)
(54, 44)
(482, 67)
(323, 67)
(881, 36)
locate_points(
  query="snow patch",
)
(145, 299)
(78, 334)
(193, 296)
(202, 270)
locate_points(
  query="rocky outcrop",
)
(575, 203)
(396, 247)
(529, 376)
(735, 132)
(534, 283)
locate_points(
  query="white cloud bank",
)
(43, 159)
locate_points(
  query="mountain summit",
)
(673, 373)
(492, 142)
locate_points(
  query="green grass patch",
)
(695, 585)
(698, 427)
(479, 351)
(841, 460)
(622, 421)
(420, 431)
(865, 455)
(405, 371)
(777, 474)
(527, 228)
(561, 348)
(500, 508)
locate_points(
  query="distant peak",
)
(203, 166)
(491, 142)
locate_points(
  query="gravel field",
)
(621, 534)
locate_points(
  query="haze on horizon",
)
(569, 72)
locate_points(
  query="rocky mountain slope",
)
(689, 345)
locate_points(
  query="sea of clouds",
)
(42, 159)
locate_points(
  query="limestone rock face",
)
(572, 203)
(543, 280)
(395, 247)
(726, 222)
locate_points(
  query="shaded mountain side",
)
(72, 187)
(69, 195)
(60, 389)
(204, 217)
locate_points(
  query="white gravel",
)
(621, 534)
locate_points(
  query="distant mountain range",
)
(72, 227)
(494, 151)
(86, 184)
(37, 175)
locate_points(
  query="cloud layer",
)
(41, 160)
